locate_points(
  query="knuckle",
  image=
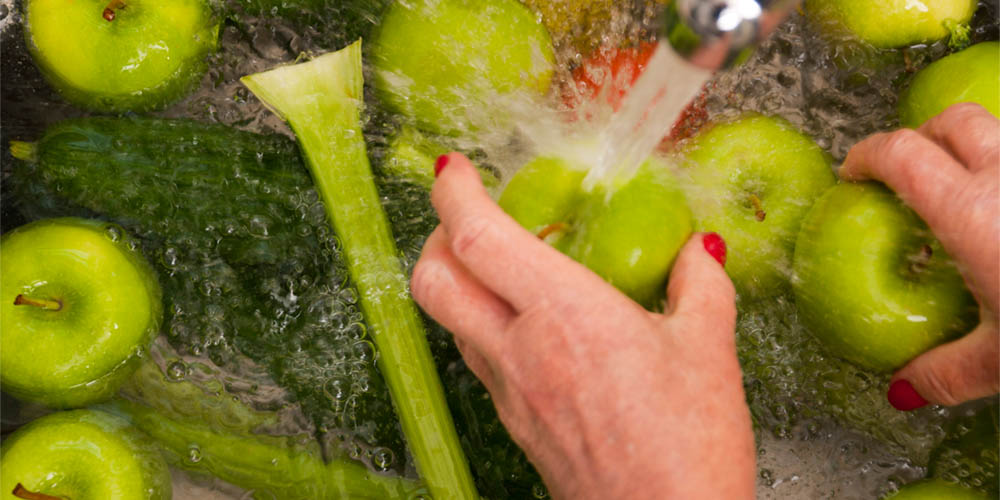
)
(944, 383)
(900, 145)
(960, 112)
(470, 235)
(427, 274)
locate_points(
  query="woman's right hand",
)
(948, 171)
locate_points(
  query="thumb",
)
(953, 373)
(699, 288)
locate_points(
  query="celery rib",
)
(267, 465)
(321, 100)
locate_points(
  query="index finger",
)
(970, 132)
(503, 256)
(924, 175)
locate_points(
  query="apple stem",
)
(21, 492)
(759, 209)
(47, 304)
(109, 11)
(551, 228)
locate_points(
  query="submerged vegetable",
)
(263, 462)
(239, 240)
(321, 100)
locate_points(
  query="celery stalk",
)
(268, 465)
(321, 100)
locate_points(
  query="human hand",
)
(607, 399)
(948, 171)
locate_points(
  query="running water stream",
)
(649, 110)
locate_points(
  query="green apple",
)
(79, 307)
(444, 63)
(628, 231)
(411, 156)
(891, 23)
(936, 489)
(752, 181)
(872, 283)
(122, 55)
(972, 75)
(82, 455)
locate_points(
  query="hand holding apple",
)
(82, 455)
(78, 307)
(871, 282)
(627, 231)
(948, 171)
(607, 399)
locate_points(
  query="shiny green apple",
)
(628, 231)
(972, 75)
(891, 23)
(79, 307)
(446, 63)
(121, 55)
(872, 283)
(936, 489)
(82, 455)
(752, 181)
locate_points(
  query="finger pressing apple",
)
(628, 231)
(872, 283)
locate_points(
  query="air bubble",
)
(539, 491)
(349, 295)
(177, 371)
(382, 459)
(363, 350)
(113, 232)
(194, 454)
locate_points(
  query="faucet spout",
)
(716, 34)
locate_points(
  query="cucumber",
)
(240, 243)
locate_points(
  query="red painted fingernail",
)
(716, 247)
(903, 397)
(439, 165)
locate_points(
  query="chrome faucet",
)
(716, 34)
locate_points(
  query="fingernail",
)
(903, 397)
(716, 247)
(439, 165)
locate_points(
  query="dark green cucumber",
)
(240, 242)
